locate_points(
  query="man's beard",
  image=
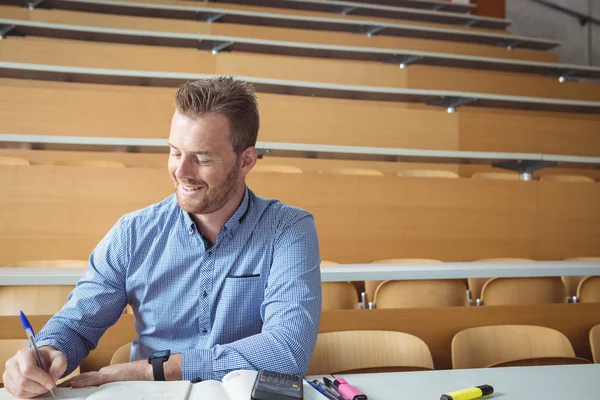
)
(213, 198)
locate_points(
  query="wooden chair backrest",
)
(595, 343)
(122, 354)
(428, 173)
(588, 290)
(523, 291)
(421, 293)
(476, 284)
(90, 163)
(285, 169)
(352, 171)
(339, 296)
(572, 282)
(371, 286)
(354, 351)
(486, 346)
(501, 176)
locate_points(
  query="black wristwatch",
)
(157, 359)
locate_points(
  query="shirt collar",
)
(231, 225)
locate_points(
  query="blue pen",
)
(321, 390)
(31, 337)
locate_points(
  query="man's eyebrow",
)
(201, 152)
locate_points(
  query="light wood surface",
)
(486, 346)
(52, 264)
(32, 300)
(588, 290)
(368, 351)
(62, 212)
(574, 320)
(526, 291)
(567, 178)
(595, 343)
(339, 296)
(13, 161)
(121, 355)
(74, 53)
(421, 293)
(262, 32)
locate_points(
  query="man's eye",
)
(176, 155)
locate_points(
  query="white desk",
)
(568, 382)
(352, 272)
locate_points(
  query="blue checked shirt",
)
(250, 301)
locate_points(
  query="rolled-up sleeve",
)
(96, 302)
(290, 311)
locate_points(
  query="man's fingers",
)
(88, 379)
(30, 371)
(21, 387)
(57, 363)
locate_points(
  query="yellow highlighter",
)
(469, 394)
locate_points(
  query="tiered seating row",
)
(217, 44)
(367, 27)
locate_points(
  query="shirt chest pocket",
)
(240, 302)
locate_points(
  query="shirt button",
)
(204, 330)
(210, 253)
(204, 294)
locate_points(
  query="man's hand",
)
(24, 379)
(131, 371)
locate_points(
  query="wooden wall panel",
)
(549, 133)
(436, 326)
(260, 32)
(568, 211)
(359, 219)
(147, 112)
(137, 57)
(495, 82)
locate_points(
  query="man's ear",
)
(249, 157)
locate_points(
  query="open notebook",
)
(236, 385)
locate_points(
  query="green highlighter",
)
(469, 394)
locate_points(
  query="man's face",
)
(204, 168)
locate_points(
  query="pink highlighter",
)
(348, 391)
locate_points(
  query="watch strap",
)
(158, 369)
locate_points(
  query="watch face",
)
(161, 354)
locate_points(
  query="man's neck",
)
(211, 224)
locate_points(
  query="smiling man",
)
(219, 279)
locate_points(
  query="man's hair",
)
(234, 99)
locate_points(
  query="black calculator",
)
(271, 385)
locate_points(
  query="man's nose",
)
(183, 170)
